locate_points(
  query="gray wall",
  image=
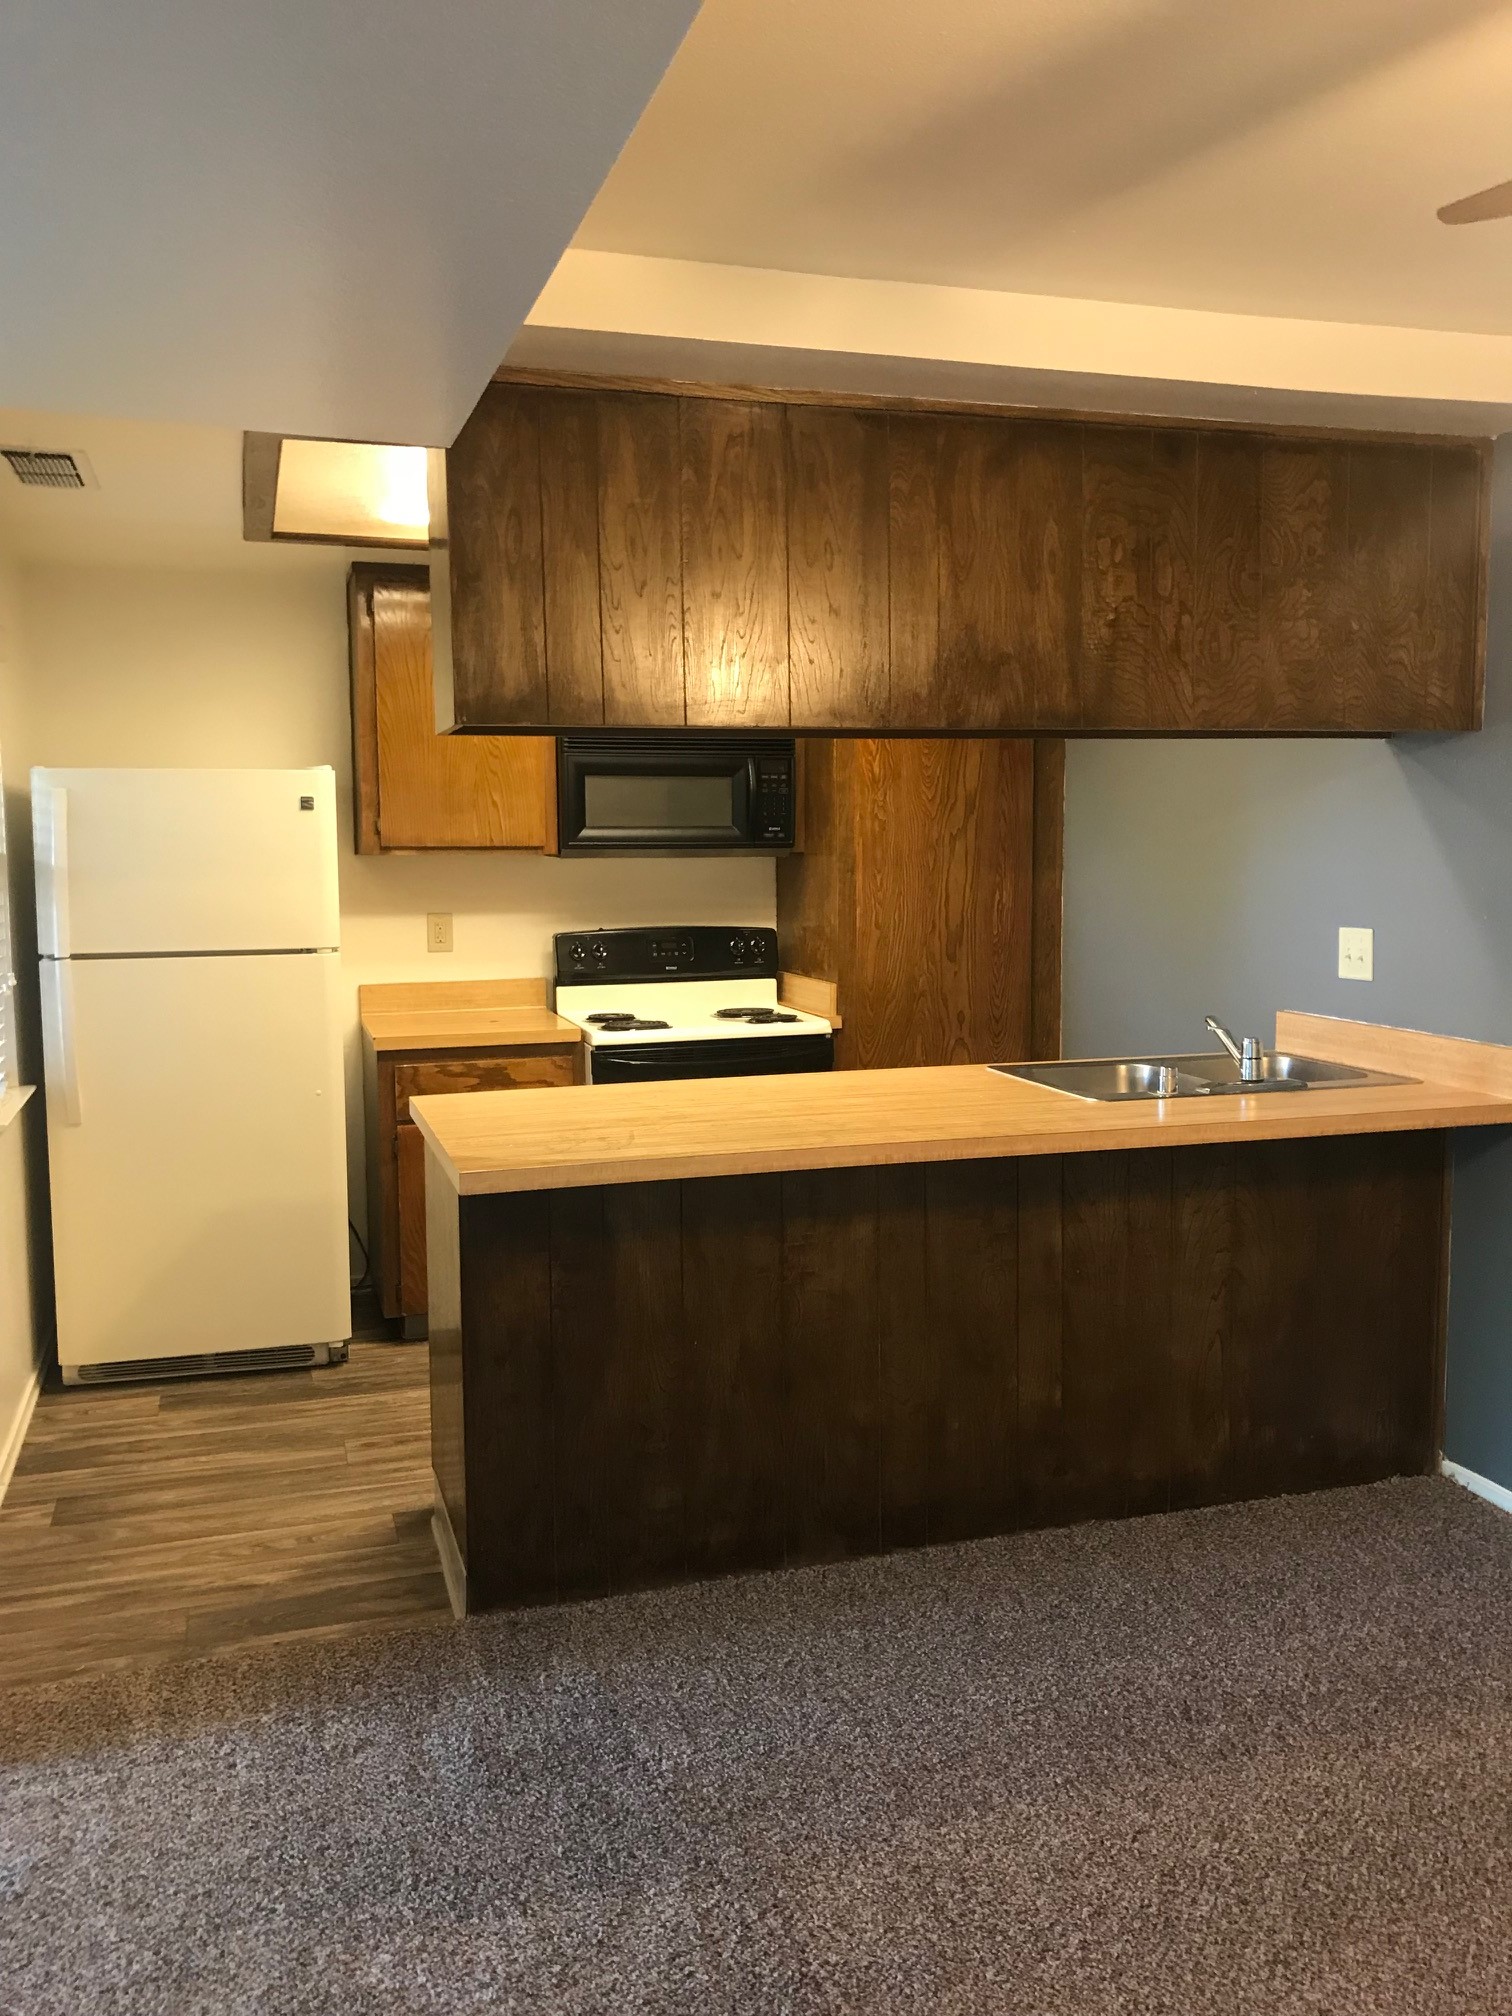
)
(1212, 877)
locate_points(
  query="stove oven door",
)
(736, 1057)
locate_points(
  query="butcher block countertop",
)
(572, 1136)
(462, 1015)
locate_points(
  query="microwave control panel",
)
(772, 813)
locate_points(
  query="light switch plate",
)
(1356, 952)
(438, 931)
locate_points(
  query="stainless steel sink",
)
(1190, 1076)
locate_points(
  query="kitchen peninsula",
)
(691, 1329)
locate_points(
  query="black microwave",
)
(674, 794)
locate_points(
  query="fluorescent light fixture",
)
(351, 492)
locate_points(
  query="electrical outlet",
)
(1356, 952)
(438, 936)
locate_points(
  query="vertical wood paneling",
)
(1328, 1377)
(640, 560)
(734, 548)
(1450, 695)
(912, 1357)
(1008, 580)
(1202, 1264)
(506, 1297)
(1048, 896)
(653, 1380)
(1139, 491)
(737, 1396)
(493, 491)
(1227, 670)
(1117, 1256)
(749, 562)
(913, 564)
(570, 560)
(1386, 656)
(972, 1219)
(830, 1326)
(1303, 615)
(1042, 1454)
(837, 566)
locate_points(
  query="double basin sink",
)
(1191, 1076)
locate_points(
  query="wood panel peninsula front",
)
(683, 1330)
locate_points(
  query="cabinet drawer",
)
(479, 1074)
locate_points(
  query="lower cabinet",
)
(417, 1052)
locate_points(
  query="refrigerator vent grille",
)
(279, 1360)
(46, 468)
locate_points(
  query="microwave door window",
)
(659, 802)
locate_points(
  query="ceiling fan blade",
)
(1481, 207)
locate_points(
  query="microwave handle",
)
(750, 786)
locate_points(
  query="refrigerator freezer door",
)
(133, 861)
(200, 1202)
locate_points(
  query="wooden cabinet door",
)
(493, 510)
(735, 564)
(837, 567)
(640, 561)
(445, 790)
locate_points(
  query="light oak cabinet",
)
(648, 559)
(427, 1038)
(411, 787)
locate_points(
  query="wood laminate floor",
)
(164, 1522)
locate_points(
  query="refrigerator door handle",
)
(60, 1053)
(50, 837)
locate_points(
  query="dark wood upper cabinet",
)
(654, 559)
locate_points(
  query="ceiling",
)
(1281, 159)
(163, 494)
(316, 219)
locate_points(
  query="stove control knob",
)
(737, 949)
(577, 952)
(600, 951)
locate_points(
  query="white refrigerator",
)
(188, 927)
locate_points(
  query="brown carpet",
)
(1250, 1760)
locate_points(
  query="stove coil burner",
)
(614, 1022)
(757, 1017)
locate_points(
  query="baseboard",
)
(453, 1567)
(16, 1434)
(1494, 1494)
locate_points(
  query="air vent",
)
(280, 1358)
(46, 468)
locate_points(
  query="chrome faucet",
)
(1246, 1052)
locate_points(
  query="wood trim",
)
(1482, 595)
(1456, 1061)
(542, 379)
(260, 459)
(1047, 896)
(810, 997)
(450, 996)
(364, 686)
(453, 1567)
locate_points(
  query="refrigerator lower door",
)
(196, 1141)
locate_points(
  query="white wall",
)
(20, 1342)
(249, 666)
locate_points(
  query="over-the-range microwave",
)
(691, 793)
